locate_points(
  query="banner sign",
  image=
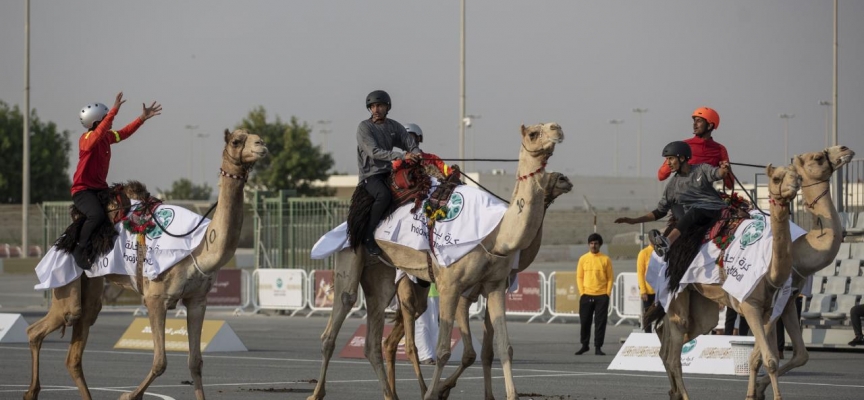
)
(355, 345)
(280, 288)
(527, 295)
(226, 289)
(215, 336)
(707, 354)
(630, 292)
(566, 293)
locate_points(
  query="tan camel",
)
(487, 264)
(688, 314)
(189, 280)
(815, 250)
(412, 301)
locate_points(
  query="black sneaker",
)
(81, 259)
(858, 340)
(581, 351)
(372, 248)
(660, 242)
(599, 352)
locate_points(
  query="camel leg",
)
(800, 356)
(91, 289)
(65, 309)
(671, 340)
(391, 345)
(496, 307)
(156, 310)
(469, 355)
(346, 280)
(449, 300)
(195, 310)
(378, 296)
(487, 355)
(769, 354)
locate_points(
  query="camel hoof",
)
(31, 396)
(128, 396)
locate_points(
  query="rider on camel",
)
(689, 195)
(704, 148)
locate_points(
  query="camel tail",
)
(653, 314)
(358, 216)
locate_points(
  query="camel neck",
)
(781, 260)
(820, 245)
(223, 234)
(524, 216)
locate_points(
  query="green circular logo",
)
(753, 232)
(165, 216)
(279, 283)
(454, 206)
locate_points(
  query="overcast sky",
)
(578, 63)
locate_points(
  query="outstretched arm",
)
(645, 218)
(150, 112)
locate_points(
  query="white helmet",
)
(413, 128)
(92, 113)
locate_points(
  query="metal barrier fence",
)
(286, 228)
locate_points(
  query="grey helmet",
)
(677, 149)
(413, 128)
(92, 113)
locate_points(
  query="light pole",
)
(786, 118)
(462, 115)
(468, 122)
(25, 158)
(324, 132)
(838, 187)
(639, 111)
(202, 136)
(827, 105)
(616, 122)
(191, 129)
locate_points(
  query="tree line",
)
(293, 161)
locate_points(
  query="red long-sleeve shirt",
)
(94, 152)
(704, 151)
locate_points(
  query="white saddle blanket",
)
(58, 268)
(746, 261)
(473, 214)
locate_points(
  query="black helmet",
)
(378, 96)
(595, 237)
(679, 149)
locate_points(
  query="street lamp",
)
(324, 132)
(786, 118)
(468, 121)
(191, 129)
(202, 136)
(639, 111)
(616, 122)
(827, 105)
(462, 115)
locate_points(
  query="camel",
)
(815, 250)
(188, 280)
(688, 317)
(412, 304)
(487, 264)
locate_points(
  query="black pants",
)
(743, 327)
(855, 314)
(88, 203)
(698, 217)
(376, 186)
(593, 308)
(781, 329)
(645, 305)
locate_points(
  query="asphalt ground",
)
(284, 359)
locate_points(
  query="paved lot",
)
(284, 357)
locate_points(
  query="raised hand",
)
(624, 220)
(119, 100)
(150, 112)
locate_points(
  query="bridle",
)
(827, 189)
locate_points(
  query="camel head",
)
(243, 148)
(820, 165)
(540, 139)
(556, 185)
(118, 202)
(136, 190)
(783, 183)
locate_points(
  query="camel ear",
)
(769, 170)
(523, 130)
(227, 134)
(797, 161)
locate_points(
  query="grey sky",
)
(579, 63)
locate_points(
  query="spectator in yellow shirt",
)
(645, 289)
(594, 279)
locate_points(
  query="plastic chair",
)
(819, 304)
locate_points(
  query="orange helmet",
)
(709, 114)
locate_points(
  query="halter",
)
(238, 177)
(537, 171)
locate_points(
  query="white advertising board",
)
(707, 354)
(280, 288)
